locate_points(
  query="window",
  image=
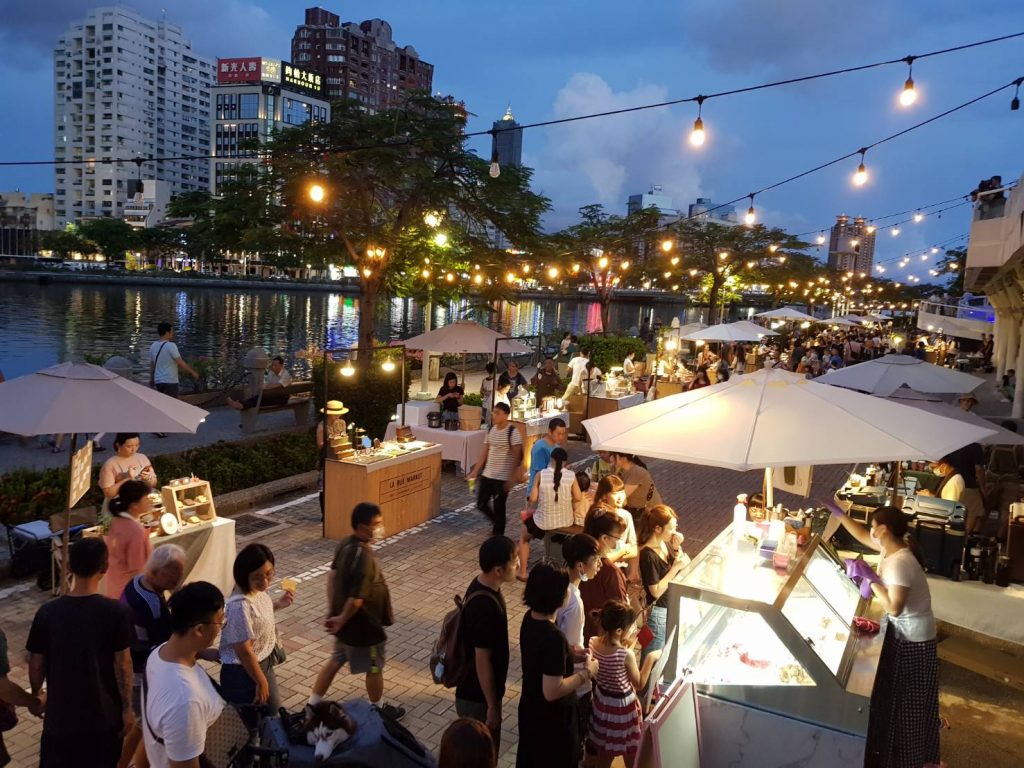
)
(248, 105)
(295, 112)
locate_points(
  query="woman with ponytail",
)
(903, 729)
(554, 492)
(128, 544)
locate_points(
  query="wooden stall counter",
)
(407, 489)
(533, 430)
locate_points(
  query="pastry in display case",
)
(776, 640)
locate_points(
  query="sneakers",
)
(390, 711)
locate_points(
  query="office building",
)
(652, 198)
(704, 209)
(359, 61)
(507, 140)
(22, 218)
(253, 97)
(127, 87)
(851, 247)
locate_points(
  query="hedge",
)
(607, 352)
(30, 494)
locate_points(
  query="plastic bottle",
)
(739, 516)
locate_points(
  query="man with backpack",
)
(499, 468)
(483, 637)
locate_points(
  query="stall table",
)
(666, 388)
(416, 411)
(532, 430)
(407, 489)
(582, 407)
(463, 446)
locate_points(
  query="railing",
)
(970, 308)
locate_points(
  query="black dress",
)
(548, 734)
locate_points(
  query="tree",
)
(114, 238)
(155, 244)
(601, 251)
(952, 265)
(64, 243)
(404, 202)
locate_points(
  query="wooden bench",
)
(300, 396)
(557, 536)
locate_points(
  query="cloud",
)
(606, 159)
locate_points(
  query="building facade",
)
(22, 218)
(652, 198)
(359, 61)
(851, 247)
(253, 97)
(507, 140)
(127, 87)
(146, 206)
(704, 209)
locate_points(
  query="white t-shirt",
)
(917, 622)
(628, 537)
(570, 618)
(162, 354)
(577, 367)
(953, 488)
(180, 705)
(283, 378)
(248, 617)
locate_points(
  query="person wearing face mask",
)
(611, 496)
(903, 729)
(358, 610)
(951, 486)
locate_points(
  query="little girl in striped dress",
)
(616, 718)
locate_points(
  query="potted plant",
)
(471, 412)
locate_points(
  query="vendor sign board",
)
(81, 474)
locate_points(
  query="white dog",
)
(327, 726)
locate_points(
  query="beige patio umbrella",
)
(77, 398)
(884, 375)
(934, 404)
(787, 313)
(741, 331)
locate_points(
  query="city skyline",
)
(753, 140)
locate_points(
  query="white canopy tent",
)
(787, 313)
(741, 331)
(884, 375)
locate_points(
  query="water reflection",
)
(42, 325)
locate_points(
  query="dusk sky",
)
(553, 59)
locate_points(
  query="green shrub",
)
(371, 394)
(472, 398)
(29, 494)
(609, 351)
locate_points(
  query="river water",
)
(41, 325)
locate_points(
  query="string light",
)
(821, 239)
(666, 245)
(440, 239)
(751, 215)
(450, 277)
(553, 272)
(495, 169)
(603, 262)
(425, 273)
(871, 229)
(773, 248)
(861, 176)
(909, 95)
(1015, 102)
(347, 370)
(624, 266)
(918, 217)
(432, 219)
(674, 260)
(510, 277)
(388, 365)
(478, 279)
(697, 135)
(894, 231)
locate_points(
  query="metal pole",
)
(323, 448)
(404, 392)
(66, 533)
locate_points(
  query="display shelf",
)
(182, 500)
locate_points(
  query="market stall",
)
(403, 479)
(462, 446)
(532, 429)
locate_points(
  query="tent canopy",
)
(933, 404)
(884, 375)
(742, 331)
(79, 397)
(773, 418)
(465, 336)
(787, 313)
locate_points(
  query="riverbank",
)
(162, 280)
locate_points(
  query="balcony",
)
(996, 239)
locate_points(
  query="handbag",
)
(278, 654)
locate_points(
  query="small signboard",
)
(404, 485)
(81, 473)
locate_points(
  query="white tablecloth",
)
(985, 608)
(463, 446)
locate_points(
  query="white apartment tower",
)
(127, 87)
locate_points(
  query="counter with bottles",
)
(772, 651)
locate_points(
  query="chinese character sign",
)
(245, 70)
(300, 79)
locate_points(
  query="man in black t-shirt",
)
(483, 627)
(969, 462)
(79, 646)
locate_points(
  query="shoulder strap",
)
(510, 436)
(145, 709)
(157, 357)
(488, 593)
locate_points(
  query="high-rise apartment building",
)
(704, 209)
(359, 61)
(851, 247)
(507, 140)
(252, 98)
(127, 87)
(652, 198)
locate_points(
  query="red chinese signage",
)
(247, 70)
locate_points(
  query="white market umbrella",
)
(765, 419)
(787, 313)
(884, 375)
(843, 322)
(79, 397)
(754, 327)
(465, 337)
(689, 328)
(729, 332)
(933, 404)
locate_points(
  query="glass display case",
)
(775, 640)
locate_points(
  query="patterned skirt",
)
(903, 728)
(615, 722)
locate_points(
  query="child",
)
(615, 717)
(579, 512)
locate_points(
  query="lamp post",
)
(349, 370)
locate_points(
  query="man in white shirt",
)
(952, 485)
(179, 701)
(577, 367)
(164, 362)
(275, 388)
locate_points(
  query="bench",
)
(557, 536)
(300, 396)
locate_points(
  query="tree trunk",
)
(716, 288)
(368, 295)
(606, 313)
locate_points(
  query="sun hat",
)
(335, 408)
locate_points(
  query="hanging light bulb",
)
(697, 135)
(821, 239)
(603, 262)
(510, 277)
(624, 266)
(871, 229)
(751, 215)
(348, 369)
(450, 277)
(666, 245)
(861, 176)
(478, 278)
(495, 169)
(894, 231)
(908, 95)
(440, 239)
(674, 260)
(432, 219)
(1015, 102)
(918, 217)
(553, 272)
(388, 366)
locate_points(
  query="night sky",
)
(552, 59)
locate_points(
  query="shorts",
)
(360, 659)
(533, 529)
(171, 390)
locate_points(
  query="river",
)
(41, 325)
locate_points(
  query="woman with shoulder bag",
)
(661, 560)
(248, 643)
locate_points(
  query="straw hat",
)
(335, 408)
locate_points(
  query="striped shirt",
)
(553, 514)
(500, 461)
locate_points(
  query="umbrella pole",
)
(769, 490)
(66, 533)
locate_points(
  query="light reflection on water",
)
(43, 325)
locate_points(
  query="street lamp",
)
(317, 193)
